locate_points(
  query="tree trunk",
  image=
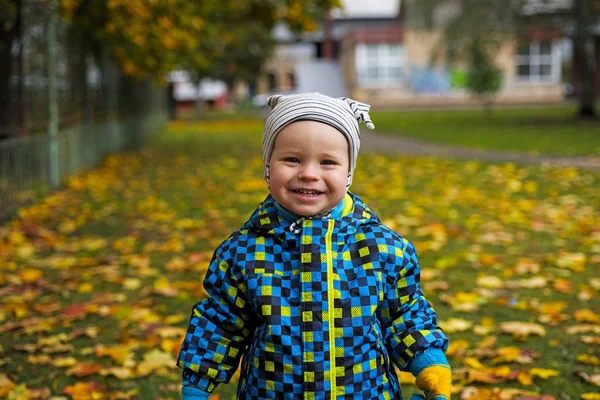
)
(584, 59)
(20, 93)
(7, 38)
(231, 92)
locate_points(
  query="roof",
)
(362, 9)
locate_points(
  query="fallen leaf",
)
(576, 329)
(586, 315)
(64, 362)
(593, 379)
(562, 285)
(30, 275)
(588, 359)
(572, 261)
(455, 325)
(85, 391)
(84, 369)
(118, 372)
(543, 373)
(155, 360)
(6, 385)
(520, 330)
(525, 378)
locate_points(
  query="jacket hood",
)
(266, 218)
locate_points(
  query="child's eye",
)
(328, 162)
(292, 160)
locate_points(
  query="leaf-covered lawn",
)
(98, 280)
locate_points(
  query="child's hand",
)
(436, 382)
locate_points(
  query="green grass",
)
(193, 185)
(552, 130)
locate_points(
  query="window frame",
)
(535, 60)
(383, 62)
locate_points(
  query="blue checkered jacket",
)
(321, 314)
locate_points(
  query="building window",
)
(379, 63)
(538, 62)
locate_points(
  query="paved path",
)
(375, 142)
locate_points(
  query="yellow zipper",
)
(331, 314)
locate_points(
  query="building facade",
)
(382, 61)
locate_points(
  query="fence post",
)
(52, 100)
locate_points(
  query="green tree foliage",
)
(484, 79)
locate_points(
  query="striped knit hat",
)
(343, 113)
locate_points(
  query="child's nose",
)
(309, 171)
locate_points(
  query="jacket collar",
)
(269, 219)
(291, 217)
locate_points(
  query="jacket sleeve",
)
(219, 328)
(409, 323)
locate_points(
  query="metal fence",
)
(30, 166)
(69, 108)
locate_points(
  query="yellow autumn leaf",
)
(64, 362)
(474, 363)
(586, 315)
(583, 328)
(465, 302)
(525, 378)
(163, 287)
(534, 282)
(485, 327)
(176, 264)
(6, 385)
(132, 283)
(455, 325)
(457, 348)
(489, 282)
(506, 354)
(85, 288)
(543, 372)
(174, 319)
(588, 359)
(520, 330)
(155, 360)
(170, 331)
(30, 275)
(67, 226)
(85, 391)
(118, 372)
(572, 261)
(119, 354)
(590, 396)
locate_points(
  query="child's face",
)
(309, 168)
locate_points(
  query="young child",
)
(318, 296)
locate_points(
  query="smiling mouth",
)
(307, 192)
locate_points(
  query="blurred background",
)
(86, 72)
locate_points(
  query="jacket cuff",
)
(426, 359)
(193, 393)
